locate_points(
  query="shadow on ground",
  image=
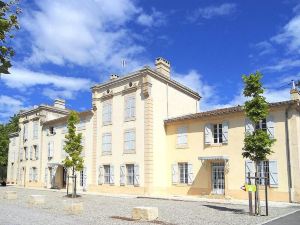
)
(226, 209)
(133, 220)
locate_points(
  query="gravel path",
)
(117, 210)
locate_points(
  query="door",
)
(218, 181)
(64, 177)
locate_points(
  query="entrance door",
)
(218, 181)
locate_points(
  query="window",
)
(129, 140)
(25, 132)
(34, 174)
(106, 174)
(35, 130)
(50, 149)
(218, 138)
(26, 153)
(182, 136)
(14, 141)
(36, 152)
(263, 171)
(130, 174)
(81, 178)
(183, 173)
(129, 107)
(106, 143)
(81, 125)
(106, 112)
(51, 130)
(261, 125)
(64, 130)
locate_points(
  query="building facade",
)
(145, 136)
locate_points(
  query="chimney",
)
(60, 103)
(295, 94)
(163, 66)
(114, 76)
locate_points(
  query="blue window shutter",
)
(270, 126)
(249, 128)
(208, 134)
(111, 174)
(273, 173)
(101, 175)
(175, 173)
(122, 174)
(249, 167)
(225, 132)
(190, 174)
(136, 175)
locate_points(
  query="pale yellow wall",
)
(12, 166)
(168, 102)
(117, 129)
(236, 165)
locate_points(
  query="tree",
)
(73, 148)
(8, 24)
(257, 145)
(5, 129)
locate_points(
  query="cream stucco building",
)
(145, 136)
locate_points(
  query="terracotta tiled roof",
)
(65, 118)
(223, 111)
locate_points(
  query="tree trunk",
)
(257, 199)
(73, 181)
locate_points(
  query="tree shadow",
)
(226, 209)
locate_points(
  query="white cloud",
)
(155, 19)
(290, 36)
(89, 33)
(284, 64)
(64, 86)
(264, 48)
(9, 106)
(213, 11)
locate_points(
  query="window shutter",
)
(31, 152)
(270, 126)
(36, 175)
(136, 175)
(249, 167)
(51, 149)
(175, 173)
(249, 128)
(225, 132)
(111, 174)
(30, 174)
(37, 153)
(46, 176)
(208, 134)
(122, 174)
(273, 173)
(84, 178)
(21, 153)
(190, 174)
(101, 175)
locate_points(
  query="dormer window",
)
(51, 131)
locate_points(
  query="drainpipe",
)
(288, 154)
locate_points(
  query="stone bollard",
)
(144, 213)
(73, 207)
(10, 195)
(36, 199)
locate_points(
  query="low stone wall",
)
(144, 213)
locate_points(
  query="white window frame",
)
(129, 140)
(130, 107)
(182, 136)
(183, 175)
(106, 143)
(106, 174)
(35, 130)
(107, 112)
(218, 133)
(130, 174)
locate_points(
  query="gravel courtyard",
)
(117, 210)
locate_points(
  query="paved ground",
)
(292, 219)
(116, 210)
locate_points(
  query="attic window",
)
(51, 130)
(130, 84)
(107, 91)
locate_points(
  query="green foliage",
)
(5, 129)
(257, 146)
(257, 108)
(73, 144)
(8, 25)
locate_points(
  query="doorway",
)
(218, 179)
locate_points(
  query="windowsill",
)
(129, 151)
(106, 153)
(107, 124)
(182, 146)
(181, 185)
(129, 119)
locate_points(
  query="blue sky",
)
(66, 46)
